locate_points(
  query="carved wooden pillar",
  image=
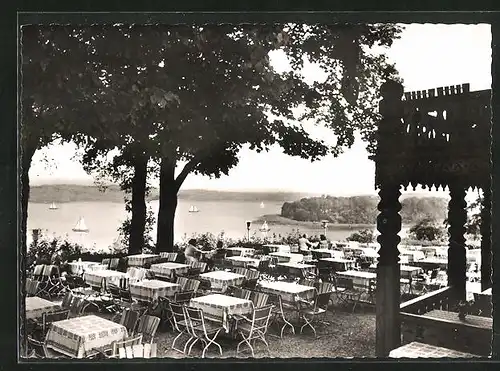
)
(486, 240)
(388, 332)
(457, 254)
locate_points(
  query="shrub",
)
(362, 236)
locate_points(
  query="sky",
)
(426, 56)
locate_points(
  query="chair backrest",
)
(67, 299)
(238, 292)
(183, 296)
(240, 270)
(38, 271)
(106, 262)
(182, 281)
(114, 291)
(129, 319)
(125, 346)
(264, 265)
(76, 306)
(260, 318)
(31, 287)
(113, 263)
(148, 326)
(252, 274)
(172, 257)
(48, 318)
(178, 315)
(192, 285)
(124, 283)
(196, 321)
(307, 282)
(125, 295)
(323, 299)
(325, 287)
(259, 299)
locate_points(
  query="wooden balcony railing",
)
(445, 330)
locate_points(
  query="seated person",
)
(304, 244)
(323, 242)
(191, 250)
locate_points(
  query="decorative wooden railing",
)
(470, 336)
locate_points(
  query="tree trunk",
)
(168, 205)
(138, 203)
(26, 156)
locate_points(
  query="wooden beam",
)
(486, 240)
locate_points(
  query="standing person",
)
(191, 250)
(304, 244)
(323, 242)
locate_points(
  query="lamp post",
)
(249, 223)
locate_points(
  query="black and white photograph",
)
(254, 190)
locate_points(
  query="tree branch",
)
(190, 166)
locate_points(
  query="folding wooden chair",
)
(106, 262)
(259, 299)
(48, 318)
(113, 263)
(181, 297)
(238, 292)
(131, 347)
(278, 312)
(39, 349)
(180, 324)
(313, 311)
(31, 287)
(348, 294)
(147, 327)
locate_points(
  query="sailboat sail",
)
(53, 206)
(264, 227)
(193, 209)
(262, 205)
(80, 226)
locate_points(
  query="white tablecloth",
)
(149, 290)
(287, 290)
(166, 270)
(94, 278)
(218, 279)
(35, 306)
(140, 260)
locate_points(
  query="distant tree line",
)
(361, 209)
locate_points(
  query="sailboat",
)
(264, 227)
(53, 206)
(262, 205)
(193, 209)
(80, 226)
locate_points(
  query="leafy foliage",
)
(362, 236)
(428, 229)
(50, 250)
(124, 229)
(360, 209)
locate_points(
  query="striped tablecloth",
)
(149, 290)
(287, 290)
(298, 268)
(94, 278)
(244, 260)
(35, 306)
(285, 257)
(166, 270)
(218, 279)
(218, 307)
(142, 259)
(420, 350)
(76, 337)
(278, 248)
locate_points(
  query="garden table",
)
(298, 269)
(219, 307)
(219, 279)
(84, 266)
(286, 257)
(241, 251)
(94, 278)
(169, 269)
(288, 290)
(36, 306)
(332, 253)
(141, 260)
(243, 260)
(150, 290)
(420, 350)
(77, 337)
(360, 278)
(278, 248)
(340, 264)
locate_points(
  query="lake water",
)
(103, 219)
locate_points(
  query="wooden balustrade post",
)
(457, 254)
(486, 240)
(387, 178)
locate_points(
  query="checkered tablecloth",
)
(244, 260)
(76, 337)
(94, 278)
(166, 270)
(149, 290)
(420, 350)
(142, 259)
(218, 307)
(295, 268)
(85, 266)
(278, 248)
(35, 306)
(287, 290)
(218, 279)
